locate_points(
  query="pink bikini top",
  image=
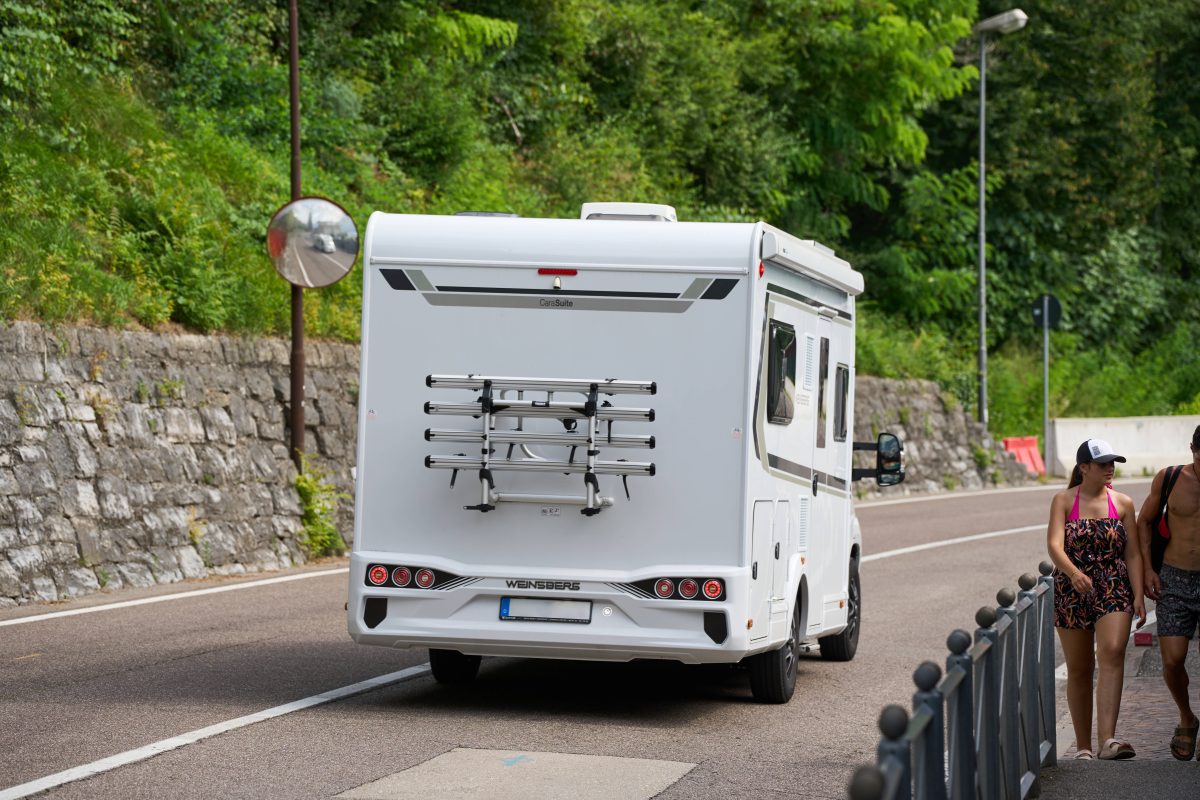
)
(1112, 510)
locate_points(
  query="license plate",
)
(539, 609)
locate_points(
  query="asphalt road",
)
(76, 689)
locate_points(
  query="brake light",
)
(401, 576)
(664, 587)
(688, 588)
(713, 589)
(377, 575)
(425, 578)
(553, 271)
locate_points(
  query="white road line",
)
(178, 596)
(1057, 486)
(191, 737)
(946, 543)
(1060, 674)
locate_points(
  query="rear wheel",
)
(842, 646)
(452, 667)
(773, 674)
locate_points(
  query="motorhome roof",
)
(403, 239)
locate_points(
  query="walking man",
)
(1176, 586)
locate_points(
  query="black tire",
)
(842, 646)
(452, 667)
(773, 674)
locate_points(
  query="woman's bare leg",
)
(1079, 649)
(1112, 636)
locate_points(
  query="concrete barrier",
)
(1149, 443)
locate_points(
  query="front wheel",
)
(773, 674)
(452, 667)
(842, 646)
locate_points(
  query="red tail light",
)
(377, 575)
(665, 587)
(401, 576)
(688, 588)
(713, 589)
(425, 578)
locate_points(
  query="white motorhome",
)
(616, 437)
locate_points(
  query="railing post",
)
(1010, 711)
(1031, 709)
(960, 716)
(931, 746)
(987, 722)
(895, 757)
(1046, 682)
(866, 784)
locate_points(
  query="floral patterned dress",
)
(1096, 546)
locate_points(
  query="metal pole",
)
(297, 390)
(983, 401)
(1046, 380)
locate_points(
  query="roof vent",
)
(641, 212)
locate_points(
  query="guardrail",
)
(985, 730)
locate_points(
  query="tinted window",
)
(842, 389)
(781, 373)
(822, 380)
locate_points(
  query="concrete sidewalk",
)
(1148, 718)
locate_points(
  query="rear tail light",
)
(377, 575)
(425, 578)
(713, 589)
(401, 576)
(664, 587)
(688, 588)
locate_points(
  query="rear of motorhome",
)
(616, 437)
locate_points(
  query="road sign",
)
(1053, 311)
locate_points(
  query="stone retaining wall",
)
(132, 458)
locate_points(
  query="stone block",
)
(88, 537)
(34, 479)
(27, 560)
(114, 498)
(135, 574)
(10, 581)
(79, 499)
(8, 482)
(44, 589)
(218, 425)
(286, 501)
(8, 538)
(168, 526)
(79, 581)
(239, 413)
(191, 565)
(165, 565)
(10, 423)
(26, 514)
(86, 462)
(184, 425)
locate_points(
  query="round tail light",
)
(424, 578)
(713, 589)
(401, 576)
(377, 575)
(688, 588)
(665, 587)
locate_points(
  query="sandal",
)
(1083, 755)
(1116, 750)
(1183, 743)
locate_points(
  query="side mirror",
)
(889, 463)
(889, 460)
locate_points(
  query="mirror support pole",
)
(297, 388)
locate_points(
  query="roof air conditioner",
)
(643, 212)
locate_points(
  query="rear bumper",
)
(622, 625)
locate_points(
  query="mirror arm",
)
(858, 474)
(872, 446)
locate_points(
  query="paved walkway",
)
(1147, 721)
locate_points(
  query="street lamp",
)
(1009, 21)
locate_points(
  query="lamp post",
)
(1009, 21)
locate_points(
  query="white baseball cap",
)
(1097, 450)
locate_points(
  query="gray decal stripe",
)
(552, 303)
(801, 471)
(419, 280)
(771, 287)
(698, 286)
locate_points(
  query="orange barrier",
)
(1025, 448)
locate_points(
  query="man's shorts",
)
(1178, 608)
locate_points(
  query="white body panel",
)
(679, 304)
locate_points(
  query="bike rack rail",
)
(986, 729)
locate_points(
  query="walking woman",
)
(1092, 540)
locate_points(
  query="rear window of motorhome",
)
(842, 387)
(781, 373)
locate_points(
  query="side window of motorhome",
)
(781, 373)
(822, 380)
(842, 390)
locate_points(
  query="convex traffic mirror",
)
(312, 242)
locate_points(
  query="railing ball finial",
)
(1006, 597)
(927, 675)
(985, 617)
(867, 783)
(959, 640)
(893, 722)
(1026, 582)
(1046, 568)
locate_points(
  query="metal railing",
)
(985, 730)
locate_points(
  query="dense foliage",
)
(145, 145)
